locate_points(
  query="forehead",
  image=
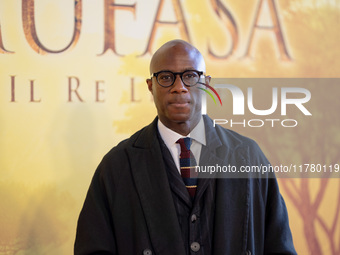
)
(177, 58)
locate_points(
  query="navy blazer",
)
(129, 208)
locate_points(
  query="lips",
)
(180, 103)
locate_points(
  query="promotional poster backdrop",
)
(72, 85)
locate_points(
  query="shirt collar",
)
(170, 137)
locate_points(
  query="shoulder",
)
(117, 160)
(143, 138)
(234, 137)
(124, 144)
(229, 137)
(114, 170)
(240, 148)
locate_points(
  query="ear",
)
(207, 79)
(149, 82)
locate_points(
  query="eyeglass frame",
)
(200, 73)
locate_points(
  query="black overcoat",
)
(129, 207)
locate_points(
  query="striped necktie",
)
(188, 165)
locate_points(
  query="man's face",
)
(177, 104)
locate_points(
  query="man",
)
(138, 203)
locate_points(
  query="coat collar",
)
(214, 153)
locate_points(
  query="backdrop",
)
(72, 85)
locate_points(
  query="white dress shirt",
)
(170, 137)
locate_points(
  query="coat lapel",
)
(211, 155)
(152, 184)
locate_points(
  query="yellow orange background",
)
(50, 148)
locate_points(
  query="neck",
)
(183, 128)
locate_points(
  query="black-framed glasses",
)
(167, 78)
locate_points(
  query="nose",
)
(178, 86)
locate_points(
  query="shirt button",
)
(193, 218)
(195, 246)
(147, 252)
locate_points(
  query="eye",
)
(165, 77)
(190, 75)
